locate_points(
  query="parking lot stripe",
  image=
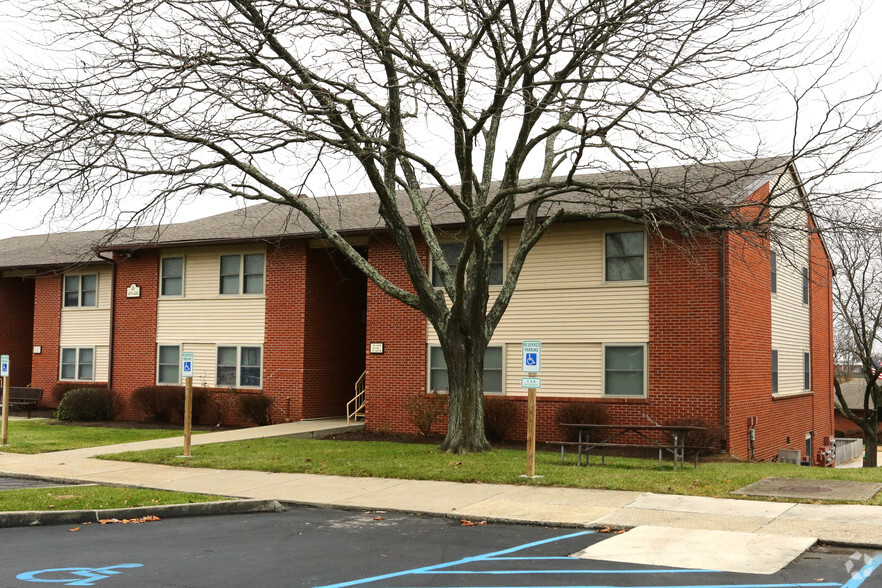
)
(857, 580)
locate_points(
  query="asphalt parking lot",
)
(334, 548)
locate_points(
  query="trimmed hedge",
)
(499, 414)
(582, 413)
(255, 407)
(88, 404)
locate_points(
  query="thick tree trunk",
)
(465, 420)
(871, 442)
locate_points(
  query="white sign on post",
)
(4, 366)
(187, 364)
(531, 356)
(531, 383)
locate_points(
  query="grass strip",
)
(426, 462)
(45, 436)
(93, 498)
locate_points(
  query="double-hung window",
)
(242, 274)
(439, 380)
(773, 260)
(805, 286)
(625, 257)
(78, 363)
(80, 290)
(807, 371)
(238, 366)
(452, 251)
(172, 276)
(624, 370)
(169, 365)
(774, 371)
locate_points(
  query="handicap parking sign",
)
(4, 365)
(531, 353)
(187, 364)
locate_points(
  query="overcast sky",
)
(866, 51)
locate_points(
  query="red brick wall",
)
(17, 327)
(47, 333)
(134, 338)
(285, 329)
(335, 331)
(400, 370)
(749, 348)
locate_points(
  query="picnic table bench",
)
(24, 397)
(677, 448)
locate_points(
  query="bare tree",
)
(857, 300)
(256, 98)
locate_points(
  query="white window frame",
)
(645, 278)
(807, 370)
(504, 243)
(238, 349)
(77, 364)
(645, 347)
(501, 346)
(183, 259)
(241, 288)
(180, 348)
(79, 303)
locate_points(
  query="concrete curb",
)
(198, 509)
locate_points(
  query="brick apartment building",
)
(653, 326)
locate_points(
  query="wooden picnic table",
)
(677, 432)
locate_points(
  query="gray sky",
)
(866, 50)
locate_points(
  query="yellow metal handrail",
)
(355, 407)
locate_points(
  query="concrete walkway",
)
(855, 525)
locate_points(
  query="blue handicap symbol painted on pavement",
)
(531, 359)
(74, 576)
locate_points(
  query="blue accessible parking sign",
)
(531, 353)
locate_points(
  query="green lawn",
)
(92, 498)
(425, 462)
(41, 436)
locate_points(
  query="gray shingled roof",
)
(721, 183)
(55, 249)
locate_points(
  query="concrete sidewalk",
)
(855, 525)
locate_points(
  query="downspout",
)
(724, 357)
(112, 318)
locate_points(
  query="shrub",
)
(499, 414)
(87, 404)
(159, 402)
(582, 413)
(219, 407)
(255, 407)
(424, 409)
(711, 438)
(61, 388)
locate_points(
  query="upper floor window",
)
(78, 363)
(625, 257)
(452, 251)
(238, 366)
(774, 371)
(172, 276)
(774, 263)
(805, 286)
(439, 380)
(242, 274)
(81, 290)
(807, 371)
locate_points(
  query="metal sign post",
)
(4, 373)
(531, 362)
(187, 372)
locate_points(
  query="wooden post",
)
(531, 430)
(5, 431)
(188, 413)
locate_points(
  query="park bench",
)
(23, 397)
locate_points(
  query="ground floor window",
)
(238, 366)
(168, 365)
(624, 370)
(78, 363)
(439, 381)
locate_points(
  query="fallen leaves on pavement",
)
(147, 519)
(468, 523)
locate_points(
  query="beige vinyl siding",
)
(790, 317)
(90, 326)
(562, 301)
(568, 369)
(202, 319)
